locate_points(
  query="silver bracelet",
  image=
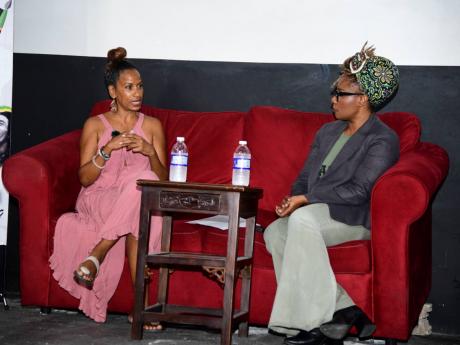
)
(105, 156)
(97, 165)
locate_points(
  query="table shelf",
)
(194, 259)
(209, 317)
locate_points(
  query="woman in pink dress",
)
(116, 149)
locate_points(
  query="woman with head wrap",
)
(330, 204)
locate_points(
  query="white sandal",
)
(80, 278)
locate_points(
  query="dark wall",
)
(53, 94)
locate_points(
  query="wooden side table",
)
(168, 198)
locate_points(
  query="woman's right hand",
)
(115, 143)
(289, 204)
(89, 171)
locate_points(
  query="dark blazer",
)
(346, 187)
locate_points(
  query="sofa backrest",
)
(280, 141)
(211, 138)
(406, 125)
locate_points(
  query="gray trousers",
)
(307, 294)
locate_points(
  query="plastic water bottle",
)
(179, 161)
(241, 164)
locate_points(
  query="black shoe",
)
(314, 337)
(346, 318)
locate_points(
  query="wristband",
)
(104, 155)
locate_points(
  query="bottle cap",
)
(181, 139)
(243, 142)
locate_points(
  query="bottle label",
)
(241, 163)
(180, 160)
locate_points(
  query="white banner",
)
(6, 90)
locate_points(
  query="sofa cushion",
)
(351, 257)
(271, 139)
(406, 125)
(100, 107)
(348, 257)
(211, 138)
(215, 242)
(104, 106)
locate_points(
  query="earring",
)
(113, 106)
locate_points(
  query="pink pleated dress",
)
(107, 209)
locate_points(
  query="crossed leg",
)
(87, 270)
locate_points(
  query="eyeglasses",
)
(338, 94)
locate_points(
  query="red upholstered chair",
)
(389, 277)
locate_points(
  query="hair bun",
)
(115, 56)
(116, 63)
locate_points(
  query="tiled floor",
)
(20, 325)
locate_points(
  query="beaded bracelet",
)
(97, 165)
(105, 156)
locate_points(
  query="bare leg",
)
(131, 253)
(99, 252)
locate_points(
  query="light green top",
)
(2, 18)
(336, 148)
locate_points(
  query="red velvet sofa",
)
(389, 277)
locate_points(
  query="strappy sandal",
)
(80, 278)
(156, 326)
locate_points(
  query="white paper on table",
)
(220, 222)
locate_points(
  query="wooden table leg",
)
(164, 271)
(246, 279)
(230, 267)
(139, 286)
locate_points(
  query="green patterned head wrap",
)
(377, 76)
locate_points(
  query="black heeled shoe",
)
(346, 318)
(313, 337)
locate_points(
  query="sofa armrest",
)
(401, 237)
(44, 180)
(46, 174)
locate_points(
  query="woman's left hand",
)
(138, 144)
(289, 204)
